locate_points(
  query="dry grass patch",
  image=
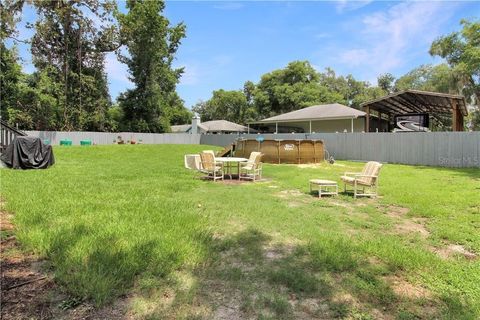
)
(407, 290)
(416, 226)
(288, 194)
(396, 211)
(295, 198)
(407, 225)
(452, 250)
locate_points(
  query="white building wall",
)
(328, 125)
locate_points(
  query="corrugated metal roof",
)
(416, 101)
(320, 112)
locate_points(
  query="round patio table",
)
(229, 162)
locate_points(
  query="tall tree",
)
(352, 91)
(294, 87)
(461, 50)
(438, 78)
(386, 81)
(69, 48)
(9, 16)
(10, 76)
(227, 105)
(10, 70)
(151, 44)
(297, 86)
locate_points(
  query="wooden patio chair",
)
(252, 168)
(192, 162)
(213, 169)
(366, 181)
(211, 152)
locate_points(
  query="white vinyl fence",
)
(445, 149)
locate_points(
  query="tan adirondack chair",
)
(211, 152)
(213, 169)
(366, 181)
(192, 162)
(252, 169)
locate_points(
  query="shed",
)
(439, 107)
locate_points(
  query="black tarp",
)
(28, 153)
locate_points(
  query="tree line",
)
(69, 88)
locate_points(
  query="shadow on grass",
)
(247, 275)
(101, 268)
(250, 276)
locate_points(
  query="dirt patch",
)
(234, 181)
(405, 289)
(454, 250)
(407, 225)
(416, 226)
(339, 203)
(309, 165)
(277, 251)
(397, 212)
(287, 194)
(310, 308)
(23, 284)
(294, 197)
(230, 311)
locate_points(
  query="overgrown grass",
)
(118, 219)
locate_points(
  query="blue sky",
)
(229, 43)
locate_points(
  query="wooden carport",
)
(437, 105)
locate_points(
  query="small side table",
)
(324, 187)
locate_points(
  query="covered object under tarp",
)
(28, 153)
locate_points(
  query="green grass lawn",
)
(130, 220)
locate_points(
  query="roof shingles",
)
(320, 112)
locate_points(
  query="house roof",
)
(320, 112)
(223, 125)
(180, 128)
(212, 126)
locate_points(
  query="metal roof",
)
(319, 112)
(415, 101)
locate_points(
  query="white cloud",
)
(346, 5)
(354, 57)
(190, 75)
(388, 39)
(204, 70)
(115, 69)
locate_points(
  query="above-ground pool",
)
(283, 151)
